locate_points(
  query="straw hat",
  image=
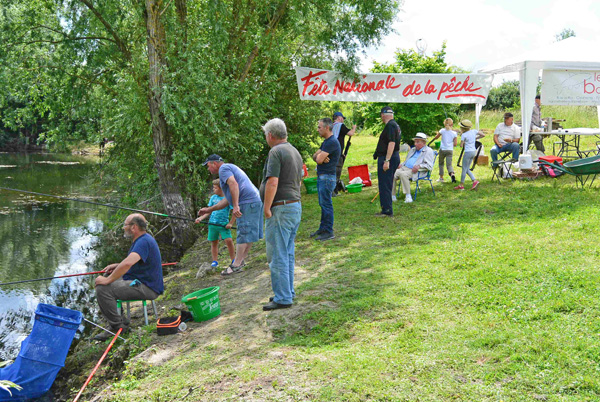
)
(420, 136)
(466, 124)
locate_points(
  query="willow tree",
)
(173, 81)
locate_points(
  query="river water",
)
(44, 237)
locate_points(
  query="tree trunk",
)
(170, 184)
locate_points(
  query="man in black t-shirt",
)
(340, 131)
(388, 160)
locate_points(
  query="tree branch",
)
(61, 41)
(270, 28)
(120, 44)
(86, 79)
(58, 31)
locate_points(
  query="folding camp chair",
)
(504, 162)
(422, 175)
(425, 175)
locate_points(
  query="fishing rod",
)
(51, 277)
(98, 364)
(66, 276)
(184, 218)
(104, 329)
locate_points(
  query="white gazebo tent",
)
(569, 54)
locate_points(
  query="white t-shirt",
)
(507, 132)
(469, 139)
(448, 137)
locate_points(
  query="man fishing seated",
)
(138, 277)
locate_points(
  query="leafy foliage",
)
(413, 117)
(504, 96)
(81, 71)
(564, 34)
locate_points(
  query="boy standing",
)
(219, 225)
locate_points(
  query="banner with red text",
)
(323, 85)
(570, 87)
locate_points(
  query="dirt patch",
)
(241, 335)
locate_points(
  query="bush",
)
(505, 96)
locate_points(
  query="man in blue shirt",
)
(327, 158)
(418, 157)
(138, 277)
(244, 197)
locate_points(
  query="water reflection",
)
(44, 237)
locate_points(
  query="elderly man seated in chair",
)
(419, 158)
(506, 138)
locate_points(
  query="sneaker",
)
(408, 199)
(313, 234)
(459, 187)
(453, 178)
(215, 264)
(394, 199)
(475, 184)
(325, 236)
(440, 180)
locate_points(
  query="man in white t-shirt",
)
(506, 138)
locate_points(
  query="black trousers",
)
(386, 182)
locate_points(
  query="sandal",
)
(225, 273)
(234, 270)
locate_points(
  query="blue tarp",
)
(43, 352)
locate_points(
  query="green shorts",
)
(215, 231)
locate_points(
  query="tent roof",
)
(571, 53)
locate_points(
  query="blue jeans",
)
(513, 147)
(280, 234)
(386, 182)
(325, 186)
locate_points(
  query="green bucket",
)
(204, 304)
(311, 185)
(354, 188)
(437, 144)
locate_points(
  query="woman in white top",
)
(467, 140)
(449, 141)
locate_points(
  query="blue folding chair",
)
(425, 175)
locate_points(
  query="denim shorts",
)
(250, 224)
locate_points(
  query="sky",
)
(482, 32)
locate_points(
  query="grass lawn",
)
(463, 296)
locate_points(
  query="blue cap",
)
(336, 114)
(212, 158)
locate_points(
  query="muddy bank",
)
(242, 324)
